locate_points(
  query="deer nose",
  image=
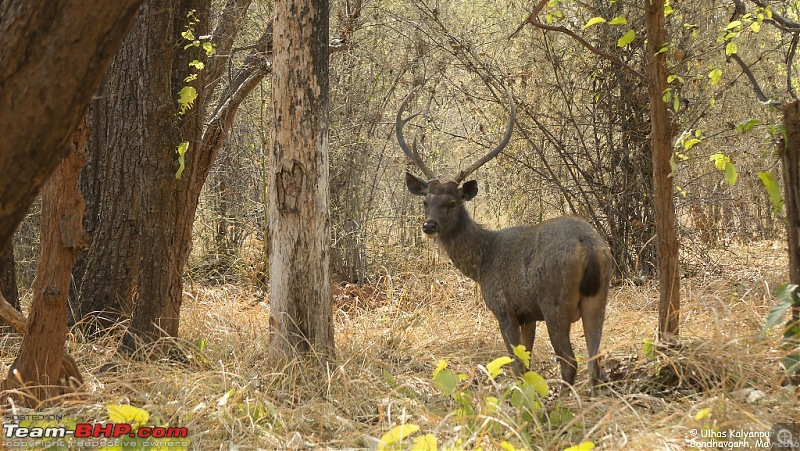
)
(430, 227)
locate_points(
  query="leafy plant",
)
(788, 299)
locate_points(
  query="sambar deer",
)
(557, 271)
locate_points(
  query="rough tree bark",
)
(790, 159)
(40, 358)
(47, 76)
(300, 292)
(661, 137)
(8, 276)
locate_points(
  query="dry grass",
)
(390, 338)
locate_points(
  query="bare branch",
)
(756, 87)
(533, 20)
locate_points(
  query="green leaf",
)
(770, 183)
(446, 381)
(536, 381)
(730, 49)
(715, 75)
(197, 64)
(209, 48)
(523, 354)
(755, 27)
(719, 159)
(734, 24)
(626, 39)
(747, 125)
(396, 435)
(691, 142)
(786, 297)
(676, 103)
(730, 174)
(619, 20)
(649, 348)
(792, 363)
(593, 21)
(495, 367)
(181, 151)
(673, 77)
(186, 98)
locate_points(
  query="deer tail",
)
(590, 283)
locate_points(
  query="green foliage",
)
(788, 300)
(181, 151)
(770, 183)
(626, 39)
(519, 403)
(723, 163)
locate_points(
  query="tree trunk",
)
(40, 357)
(661, 136)
(300, 292)
(47, 77)
(106, 274)
(790, 158)
(8, 274)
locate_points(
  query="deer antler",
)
(506, 137)
(411, 153)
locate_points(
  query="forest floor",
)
(723, 386)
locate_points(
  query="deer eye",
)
(451, 204)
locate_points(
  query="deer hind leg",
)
(558, 328)
(528, 335)
(510, 329)
(593, 315)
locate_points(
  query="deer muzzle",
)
(430, 227)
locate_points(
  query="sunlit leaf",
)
(715, 75)
(731, 175)
(537, 382)
(593, 21)
(719, 159)
(181, 151)
(703, 414)
(619, 20)
(129, 414)
(197, 64)
(396, 435)
(523, 354)
(747, 125)
(495, 367)
(583, 446)
(626, 39)
(730, 49)
(439, 367)
(733, 25)
(186, 98)
(427, 442)
(649, 348)
(755, 27)
(770, 183)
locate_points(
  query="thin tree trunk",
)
(790, 156)
(41, 355)
(8, 276)
(661, 137)
(300, 292)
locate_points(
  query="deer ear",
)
(469, 190)
(416, 185)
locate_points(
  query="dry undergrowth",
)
(390, 337)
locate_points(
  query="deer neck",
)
(467, 246)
